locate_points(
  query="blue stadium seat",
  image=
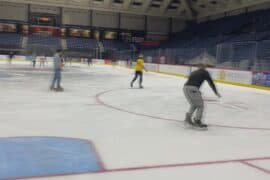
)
(81, 43)
(115, 45)
(10, 40)
(44, 40)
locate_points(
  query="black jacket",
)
(197, 77)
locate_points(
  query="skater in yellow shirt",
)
(139, 71)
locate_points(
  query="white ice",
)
(137, 128)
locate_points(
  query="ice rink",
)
(137, 134)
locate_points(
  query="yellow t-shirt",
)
(139, 65)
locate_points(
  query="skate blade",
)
(190, 126)
(135, 88)
(187, 125)
(57, 90)
(200, 128)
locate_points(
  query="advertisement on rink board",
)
(181, 70)
(152, 67)
(226, 75)
(234, 76)
(261, 78)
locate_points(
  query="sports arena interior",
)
(231, 33)
(99, 128)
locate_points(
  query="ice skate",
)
(59, 89)
(200, 125)
(188, 121)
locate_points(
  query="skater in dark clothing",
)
(89, 61)
(57, 71)
(34, 60)
(194, 97)
(11, 54)
(139, 71)
(42, 61)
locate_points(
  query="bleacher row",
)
(245, 27)
(233, 39)
(13, 40)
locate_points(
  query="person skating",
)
(194, 97)
(89, 61)
(11, 54)
(57, 72)
(34, 60)
(42, 61)
(139, 71)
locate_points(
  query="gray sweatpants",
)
(195, 100)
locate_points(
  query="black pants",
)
(140, 74)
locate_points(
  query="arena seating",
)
(245, 27)
(81, 43)
(235, 39)
(10, 40)
(44, 41)
(263, 50)
(115, 45)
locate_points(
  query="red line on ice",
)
(256, 167)
(98, 98)
(191, 164)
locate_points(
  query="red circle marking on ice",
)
(98, 98)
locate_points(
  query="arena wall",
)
(178, 25)
(76, 17)
(105, 19)
(44, 9)
(13, 11)
(235, 77)
(82, 17)
(132, 22)
(158, 24)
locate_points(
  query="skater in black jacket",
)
(194, 97)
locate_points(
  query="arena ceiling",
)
(186, 9)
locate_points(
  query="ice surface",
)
(138, 128)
